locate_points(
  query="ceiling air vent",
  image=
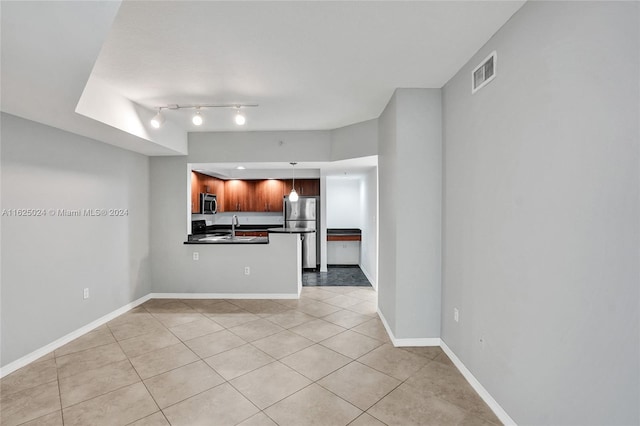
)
(484, 73)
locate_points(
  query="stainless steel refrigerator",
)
(304, 213)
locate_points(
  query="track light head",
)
(197, 118)
(240, 119)
(157, 120)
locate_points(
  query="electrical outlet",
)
(196, 255)
(85, 294)
(456, 315)
(247, 270)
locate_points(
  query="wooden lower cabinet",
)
(251, 233)
(344, 238)
(343, 252)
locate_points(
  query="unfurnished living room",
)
(320, 213)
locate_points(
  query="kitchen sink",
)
(227, 238)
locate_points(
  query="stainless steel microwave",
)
(208, 203)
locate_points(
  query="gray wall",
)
(387, 220)
(356, 140)
(418, 227)
(220, 147)
(410, 170)
(542, 206)
(47, 261)
(369, 243)
(344, 204)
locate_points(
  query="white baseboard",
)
(426, 341)
(21, 362)
(475, 384)
(403, 342)
(224, 296)
(368, 275)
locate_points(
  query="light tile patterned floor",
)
(322, 360)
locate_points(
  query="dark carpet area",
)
(350, 275)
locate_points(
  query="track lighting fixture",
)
(157, 120)
(240, 119)
(197, 119)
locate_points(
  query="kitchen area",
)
(241, 208)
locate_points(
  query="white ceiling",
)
(310, 65)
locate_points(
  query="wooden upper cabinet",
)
(239, 195)
(215, 186)
(209, 184)
(304, 187)
(286, 186)
(248, 195)
(268, 195)
(195, 192)
(309, 187)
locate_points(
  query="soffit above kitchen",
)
(350, 168)
(309, 65)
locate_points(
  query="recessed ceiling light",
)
(240, 167)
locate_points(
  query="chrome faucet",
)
(234, 222)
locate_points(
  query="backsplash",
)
(245, 218)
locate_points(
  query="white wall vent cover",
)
(484, 73)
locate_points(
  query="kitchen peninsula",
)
(255, 267)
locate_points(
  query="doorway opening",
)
(336, 275)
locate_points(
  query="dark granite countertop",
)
(291, 230)
(344, 231)
(241, 227)
(218, 239)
